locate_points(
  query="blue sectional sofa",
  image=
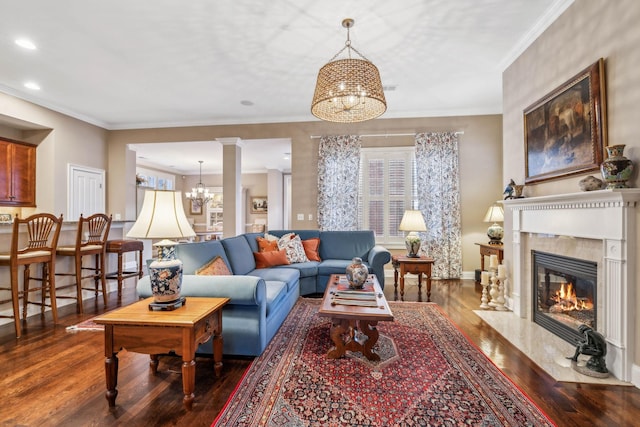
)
(262, 298)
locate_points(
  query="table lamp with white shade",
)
(412, 221)
(495, 214)
(162, 217)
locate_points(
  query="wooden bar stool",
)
(91, 239)
(41, 232)
(121, 247)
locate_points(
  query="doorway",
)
(86, 191)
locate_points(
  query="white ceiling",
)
(124, 64)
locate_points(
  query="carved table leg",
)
(338, 327)
(153, 363)
(188, 382)
(111, 370)
(217, 353)
(368, 327)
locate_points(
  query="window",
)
(387, 188)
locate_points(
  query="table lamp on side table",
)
(162, 217)
(412, 221)
(495, 214)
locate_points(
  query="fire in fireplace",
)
(564, 291)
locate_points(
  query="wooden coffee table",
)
(140, 330)
(347, 319)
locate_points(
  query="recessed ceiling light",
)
(25, 43)
(32, 85)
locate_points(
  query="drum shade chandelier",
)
(348, 90)
(199, 195)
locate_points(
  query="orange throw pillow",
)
(265, 245)
(311, 248)
(271, 258)
(215, 267)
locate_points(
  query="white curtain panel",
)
(338, 169)
(439, 200)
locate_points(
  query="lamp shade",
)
(494, 214)
(162, 217)
(412, 220)
(348, 91)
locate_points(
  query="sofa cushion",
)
(346, 245)
(265, 245)
(215, 267)
(311, 248)
(195, 255)
(304, 234)
(306, 269)
(335, 266)
(239, 254)
(271, 258)
(276, 292)
(293, 245)
(286, 274)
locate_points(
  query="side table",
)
(488, 250)
(140, 330)
(419, 266)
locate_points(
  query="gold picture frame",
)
(565, 132)
(259, 204)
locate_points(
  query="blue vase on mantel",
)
(616, 169)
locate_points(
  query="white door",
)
(86, 191)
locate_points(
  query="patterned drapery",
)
(338, 168)
(439, 200)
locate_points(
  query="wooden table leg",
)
(110, 366)
(111, 371)
(428, 274)
(338, 327)
(188, 380)
(217, 346)
(368, 327)
(402, 285)
(153, 363)
(395, 279)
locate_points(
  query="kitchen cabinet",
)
(17, 174)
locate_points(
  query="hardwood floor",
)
(53, 377)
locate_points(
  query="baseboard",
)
(635, 375)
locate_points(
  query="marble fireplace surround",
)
(596, 225)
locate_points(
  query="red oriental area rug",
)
(429, 374)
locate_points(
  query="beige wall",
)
(61, 141)
(480, 160)
(587, 31)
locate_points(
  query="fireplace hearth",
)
(564, 294)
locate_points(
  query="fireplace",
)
(564, 294)
(598, 226)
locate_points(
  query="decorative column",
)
(232, 217)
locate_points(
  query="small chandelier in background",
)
(348, 90)
(199, 195)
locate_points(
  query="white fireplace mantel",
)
(605, 215)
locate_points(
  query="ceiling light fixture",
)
(27, 44)
(32, 85)
(199, 195)
(348, 90)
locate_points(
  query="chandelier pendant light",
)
(348, 90)
(199, 195)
